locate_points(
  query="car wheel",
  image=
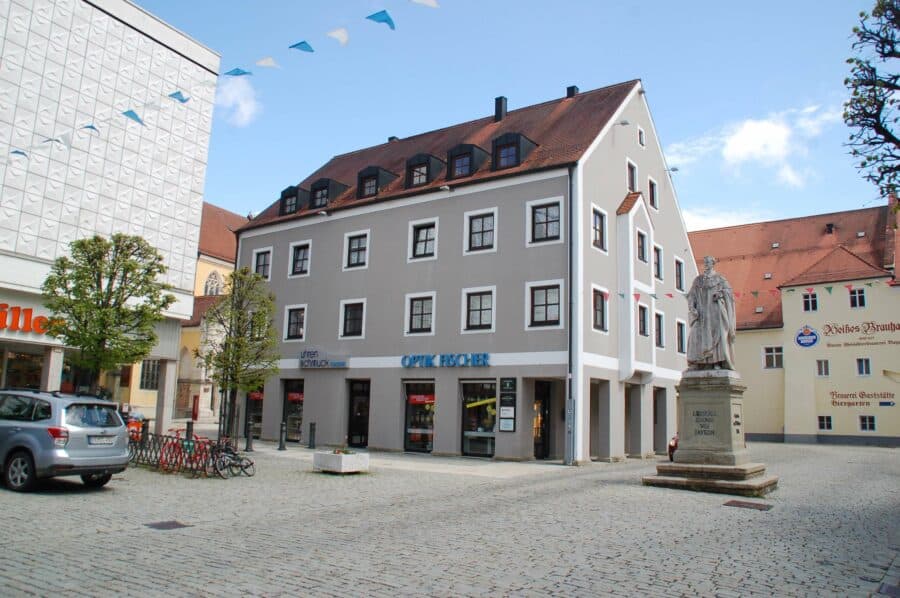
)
(19, 471)
(96, 480)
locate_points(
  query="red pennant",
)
(605, 295)
(670, 295)
(773, 291)
(849, 287)
(809, 289)
(737, 294)
(637, 296)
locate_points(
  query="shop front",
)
(479, 414)
(255, 412)
(420, 403)
(293, 410)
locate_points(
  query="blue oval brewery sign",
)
(807, 337)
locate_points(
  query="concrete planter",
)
(331, 462)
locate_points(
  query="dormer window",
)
(422, 169)
(418, 175)
(510, 150)
(291, 200)
(289, 205)
(319, 197)
(462, 165)
(369, 186)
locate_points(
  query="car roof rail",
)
(21, 389)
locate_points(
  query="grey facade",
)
(621, 400)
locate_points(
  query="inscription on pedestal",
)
(704, 422)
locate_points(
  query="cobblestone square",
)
(422, 525)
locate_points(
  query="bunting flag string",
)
(755, 294)
(621, 295)
(237, 72)
(868, 284)
(670, 295)
(302, 46)
(382, 16)
(809, 289)
(791, 291)
(829, 289)
(341, 35)
(773, 292)
(133, 116)
(849, 287)
(268, 62)
(737, 294)
(637, 296)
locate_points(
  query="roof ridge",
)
(718, 228)
(475, 120)
(827, 256)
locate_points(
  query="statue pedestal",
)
(711, 455)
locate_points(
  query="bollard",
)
(145, 433)
(312, 435)
(282, 437)
(189, 431)
(248, 434)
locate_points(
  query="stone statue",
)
(711, 308)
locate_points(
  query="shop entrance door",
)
(292, 409)
(542, 419)
(358, 426)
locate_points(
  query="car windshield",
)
(92, 416)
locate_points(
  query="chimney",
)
(571, 91)
(392, 139)
(499, 108)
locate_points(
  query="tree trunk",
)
(232, 408)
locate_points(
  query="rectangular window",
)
(863, 367)
(369, 186)
(479, 310)
(150, 374)
(545, 222)
(296, 320)
(642, 246)
(319, 197)
(462, 165)
(508, 155)
(357, 246)
(600, 322)
(418, 174)
(420, 314)
(545, 305)
(481, 232)
(857, 297)
(824, 422)
(774, 358)
(810, 302)
(641, 137)
(289, 204)
(598, 229)
(479, 414)
(643, 321)
(632, 177)
(657, 262)
(681, 334)
(424, 236)
(300, 259)
(822, 368)
(679, 274)
(652, 194)
(262, 261)
(354, 314)
(659, 330)
(419, 416)
(867, 423)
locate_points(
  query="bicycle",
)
(228, 462)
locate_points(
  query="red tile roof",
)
(562, 129)
(201, 304)
(806, 254)
(217, 226)
(628, 203)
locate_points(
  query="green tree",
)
(239, 341)
(105, 301)
(873, 83)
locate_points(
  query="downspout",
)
(569, 456)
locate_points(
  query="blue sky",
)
(746, 97)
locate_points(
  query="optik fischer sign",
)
(807, 337)
(446, 360)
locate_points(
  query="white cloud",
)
(429, 3)
(790, 177)
(812, 121)
(236, 97)
(704, 218)
(757, 140)
(687, 152)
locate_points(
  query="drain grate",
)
(166, 525)
(748, 505)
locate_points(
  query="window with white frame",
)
(262, 262)
(825, 422)
(863, 366)
(773, 358)
(823, 368)
(659, 329)
(642, 246)
(652, 193)
(294, 322)
(353, 318)
(679, 274)
(600, 310)
(545, 222)
(420, 314)
(356, 250)
(300, 252)
(867, 423)
(810, 302)
(658, 262)
(478, 309)
(631, 175)
(480, 231)
(641, 141)
(544, 304)
(598, 228)
(643, 320)
(423, 239)
(857, 298)
(681, 336)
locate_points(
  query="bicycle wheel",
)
(248, 467)
(221, 464)
(234, 465)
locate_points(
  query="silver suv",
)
(45, 434)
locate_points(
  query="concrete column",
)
(165, 395)
(447, 416)
(640, 433)
(611, 420)
(646, 399)
(51, 372)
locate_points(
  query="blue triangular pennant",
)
(302, 46)
(382, 16)
(133, 116)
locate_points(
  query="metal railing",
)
(174, 453)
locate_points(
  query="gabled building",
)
(509, 287)
(818, 341)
